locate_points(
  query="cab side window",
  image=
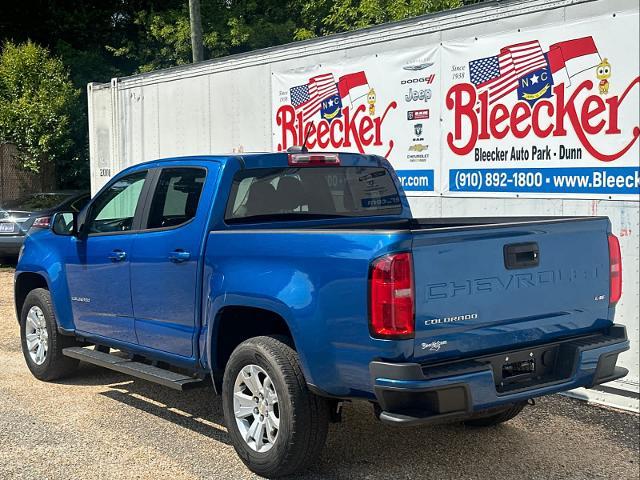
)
(176, 197)
(115, 208)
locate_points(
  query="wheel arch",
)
(234, 323)
(26, 282)
(239, 318)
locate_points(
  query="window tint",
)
(311, 192)
(114, 209)
(175, 200)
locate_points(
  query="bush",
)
(37, 104)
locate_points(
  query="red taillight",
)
(615, 270)
(391, 296)
(41, 222)
(313, 159)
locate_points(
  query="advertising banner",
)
(552, 112)
(386, 104)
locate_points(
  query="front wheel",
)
(42, 344)
(277, 426)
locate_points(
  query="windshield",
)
(37, 201)
(311, 192)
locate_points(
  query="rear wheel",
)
(277, 426)
(501, 416)
(41, 343)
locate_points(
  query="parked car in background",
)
(33, 211)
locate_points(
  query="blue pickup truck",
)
(293, 282)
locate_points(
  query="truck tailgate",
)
(486, 288)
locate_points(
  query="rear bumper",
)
(10, 244)
(409, 393)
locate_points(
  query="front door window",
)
(115, 208)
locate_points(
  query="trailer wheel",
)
(277, 426)
(502, 416)
(41, 343)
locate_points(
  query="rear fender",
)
(215, 305)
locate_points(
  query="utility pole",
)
(196, 31)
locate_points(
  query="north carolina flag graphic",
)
(571, 57)
(353, 85)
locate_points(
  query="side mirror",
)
(65, 223)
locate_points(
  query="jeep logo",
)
(421, 95)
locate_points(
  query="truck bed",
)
(469, 299)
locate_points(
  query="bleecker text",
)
(353, 130)
(475, 119)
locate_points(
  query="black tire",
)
(501, 416)
(55, 364)
(304, 417)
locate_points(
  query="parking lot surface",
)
(101, 424)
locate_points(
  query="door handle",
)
(118, 256)
(179, 256)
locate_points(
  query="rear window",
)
(311, 192)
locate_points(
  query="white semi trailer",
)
(502, 108)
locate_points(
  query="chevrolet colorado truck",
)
(293, 282)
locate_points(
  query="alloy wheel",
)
(36, 335)
(256, 408)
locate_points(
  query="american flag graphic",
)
(308, 98)
(499, 74)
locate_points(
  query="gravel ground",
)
(101, 424)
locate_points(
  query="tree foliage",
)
(38, 103)
(229, 26)
(324, 17)
(235, 26)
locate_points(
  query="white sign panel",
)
(386, 104)
(550, 112)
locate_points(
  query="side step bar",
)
(176, 381)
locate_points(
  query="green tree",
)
(38, 104)
(229, 26)
(162, 40)
(324, 17)
(162, 37)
